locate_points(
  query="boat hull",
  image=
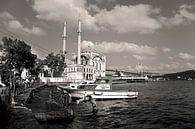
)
(103, 95)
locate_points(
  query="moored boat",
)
(98, 91)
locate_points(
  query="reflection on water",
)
(160, 105)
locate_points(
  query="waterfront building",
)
(87, 65)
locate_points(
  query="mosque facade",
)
(86, 65)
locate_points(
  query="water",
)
(160, 105)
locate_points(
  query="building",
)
(92, 66)
(87, 65)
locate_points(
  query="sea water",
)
(160, 105)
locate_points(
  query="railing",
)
(59, 80)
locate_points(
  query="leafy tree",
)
(38, 68)
(18, 55)
(56, 63)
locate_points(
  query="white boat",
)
(98, 91)
(128, 79)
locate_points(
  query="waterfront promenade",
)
(28, 114)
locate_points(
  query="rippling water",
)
(160, 105)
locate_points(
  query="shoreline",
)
(23, 117)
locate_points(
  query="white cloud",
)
(142, 68)
(172, 65)
(61, 10)
(142, 57)
(162, 68)
(138, 57)
(129, 68)
(182, 16)
(190, 65)
(116, 47)
(141, 18)
(170, 57)
(186, 56)
(6, 16)
(14, 25)
(166, 49)
(184, 11)
(176, 20)
(136, 68)
(135, 18)
(101, 1)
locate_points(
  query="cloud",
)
(61, 10)
(184, 11)
(172, 65)
(124, 19)
(140, 18)
(117, 47)
(11, 23)
(135, 18)
(190, 65)
(166, 50)
(162, 68)
(6, 15)
(186, 56)
(176, 20)
(182, 16)
(129, 68)
(136, 68)
(170, 57)
(175, 66)
(142, 68)
(101, 1)
(141, 57)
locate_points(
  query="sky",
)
(149, 35)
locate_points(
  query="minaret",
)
(79, 43)
(64, 39)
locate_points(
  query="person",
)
(91, 100)
(26, 83)
(66, 98)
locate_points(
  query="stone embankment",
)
(22, 118)
(44, 103)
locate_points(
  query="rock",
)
(65, 115)
(22, 118)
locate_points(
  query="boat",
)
(128, 79)
(98, 91)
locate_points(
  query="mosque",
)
(86, 65)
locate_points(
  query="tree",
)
(56, 63)
(17, 57)
(38, 68)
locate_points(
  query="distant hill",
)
(186, 75)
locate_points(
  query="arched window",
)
(100, 68)
(96, 65)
